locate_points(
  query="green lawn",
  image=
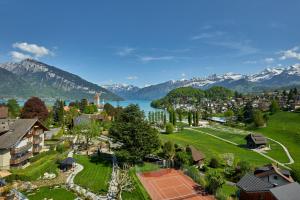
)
(146, 167)
(229, 190)
(214, 147)
(45, 162)
(48, 193)
(276, 151)
(285, 127)
(139, 192)
(96, 174)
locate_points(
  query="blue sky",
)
(146, 42)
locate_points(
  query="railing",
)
(14, 161)
(21, 149)
(37, 140)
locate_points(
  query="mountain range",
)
(33, 78)
(270, 78)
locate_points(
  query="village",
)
(74, 155)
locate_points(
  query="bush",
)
(182, 158)
(214, 163)
(169, 128)
(214, 181)
(220, 195)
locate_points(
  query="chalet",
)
(256, 140)
(197, 156)
(274, 175)
(19, 140)
(265, 184)
(3, 112)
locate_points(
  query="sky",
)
(143, 42)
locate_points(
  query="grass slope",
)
(44, 162)
(95, 175)
(276, 151)
(47, 193)
(212, 147)
(285, 127)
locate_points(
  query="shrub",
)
(169, 128)
(220, 195)
(214, 181)
(214, 163)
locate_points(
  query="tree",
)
(214, 181)
(88, 130)
(169, 150)
(174, 118)
(194, 119)
(243, 167)
(83, 104)
(169, 128)
(35, 108)
(58, 112)
(258, 118)
(171, 116)
(136, 134)
(190, 118)
(214, 163)
(13, 108)
(109, 109)
(197, 118)
(274, 107)
(228, 115)
(182, 158)
(248, 112)
(123, 182)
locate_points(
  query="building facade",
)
(20, 139)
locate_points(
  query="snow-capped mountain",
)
(48, 81)
(123, 90)
(266, 79)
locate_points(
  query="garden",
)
(96, 173)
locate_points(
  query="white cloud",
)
(183, 75)
(250, 62)
(290, 53)
(17, 56)
(34, 49)
(269, 60)
(151, 58)
(131, 77)
(125, 51)
(207, 35)
(243, 47)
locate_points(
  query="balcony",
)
(17, 160)
(37, 148)
(21, 149)
(37, 140)
(37, 132)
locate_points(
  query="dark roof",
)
(289, 191)
(271, 168)
(68, 161)
(196, 155)
(251, 183)
(257, 138)
(17, 130)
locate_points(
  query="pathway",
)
(78, 189)
(233, 143)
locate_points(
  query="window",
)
(275, 177)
